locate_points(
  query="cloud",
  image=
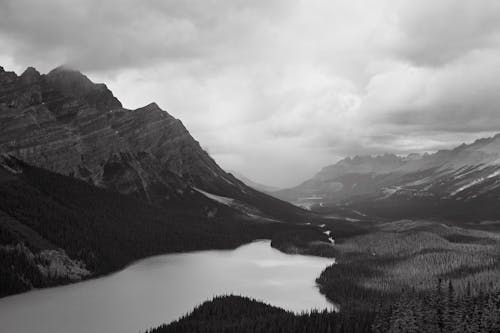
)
(277, 89)
(117, 34)
(460, 98)
(433, 33)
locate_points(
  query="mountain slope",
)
(461, 183)
(65, 123)
(57, 229)
(348, 177)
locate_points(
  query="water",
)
(163, 288)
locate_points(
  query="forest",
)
(105, 230)
(402, 276)
(440, 310)
(407, 276)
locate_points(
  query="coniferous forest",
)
(438, 311)
(420, 278)
(41, 210)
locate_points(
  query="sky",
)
(278, 89)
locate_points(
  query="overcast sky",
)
(277, 89)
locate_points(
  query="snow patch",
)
(388, 191)
(250, 211)
(466, 186)
(359, 213)
(419, 182)
(223, 200)
(494, 174)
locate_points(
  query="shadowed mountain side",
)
(57, 229)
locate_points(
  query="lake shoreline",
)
(145, 290)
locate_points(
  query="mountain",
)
(341, 180)
(88, 186)
(65, 123)
(460, 183)
(253, 184)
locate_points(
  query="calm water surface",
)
(161, 289)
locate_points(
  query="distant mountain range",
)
(460, 183)
(86, 185)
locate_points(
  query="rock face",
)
(64, 122)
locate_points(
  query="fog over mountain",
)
(326, 79)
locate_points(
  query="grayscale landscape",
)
(249, 166)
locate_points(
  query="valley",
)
(88, 187)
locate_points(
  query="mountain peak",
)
(153, 111)
(152, 107)
(63, 68)
(363, 159)
(72, 82)
(413, 157)
(30, 71)
(6, 76)
(30, 75)
(69, 76)
(69, 72)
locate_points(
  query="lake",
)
(163, 288)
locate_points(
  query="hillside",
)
(57, 229)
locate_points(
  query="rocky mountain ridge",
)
(63, 122)
(467, 175)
